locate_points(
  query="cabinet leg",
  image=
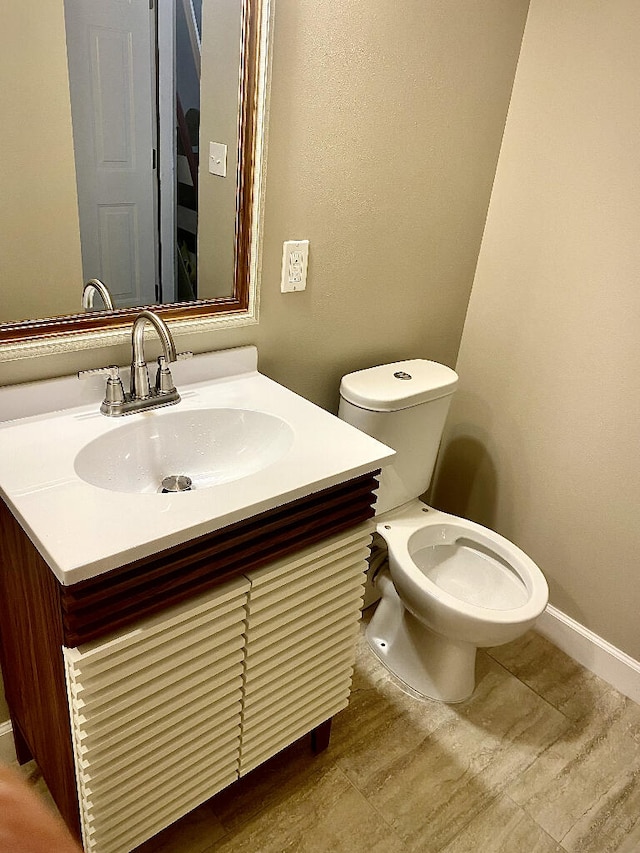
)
(320, 736)
(23, 753)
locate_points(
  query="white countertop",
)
(82, 530)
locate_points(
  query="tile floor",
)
(544, 758)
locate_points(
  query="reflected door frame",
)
(167, 147)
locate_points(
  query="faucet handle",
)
(164, 380)
(114, 395)
(112, 370)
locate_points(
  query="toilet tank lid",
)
(399, 385)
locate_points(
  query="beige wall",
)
(544, 435)
(385, 128)
(40, 264)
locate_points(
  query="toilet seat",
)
(469, 572)
(455, 599)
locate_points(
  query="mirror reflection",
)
(161, 134)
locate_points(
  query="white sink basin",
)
(86, 488)
(210, 446)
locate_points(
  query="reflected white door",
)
(111, 53)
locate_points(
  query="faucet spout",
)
(140, 387)
(137, 336)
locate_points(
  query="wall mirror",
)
(168, 101)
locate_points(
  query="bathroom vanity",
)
(156, 647)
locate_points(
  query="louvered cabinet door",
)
(302, 624)
(155, 717)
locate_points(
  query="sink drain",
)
(176, 483)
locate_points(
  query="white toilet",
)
(454, 585)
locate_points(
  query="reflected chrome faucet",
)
(141, 395)
(93, 286)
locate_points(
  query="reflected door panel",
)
(112, 87)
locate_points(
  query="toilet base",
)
(433, 666)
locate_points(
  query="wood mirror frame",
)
(19, 335)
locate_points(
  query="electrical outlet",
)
(295, 259)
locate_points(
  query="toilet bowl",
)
(452, 585)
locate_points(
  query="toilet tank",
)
(404, 405)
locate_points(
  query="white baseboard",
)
(7, 749)
(595, 654)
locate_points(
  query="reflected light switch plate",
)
(218, 159)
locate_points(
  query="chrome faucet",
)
(141, 396)
(93, 286)
(140, 386)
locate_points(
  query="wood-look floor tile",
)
(503, 827)
(630, 843)
(612, 823)
(325, 814)
(588, 781)
(429, 781)
(556, 677)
